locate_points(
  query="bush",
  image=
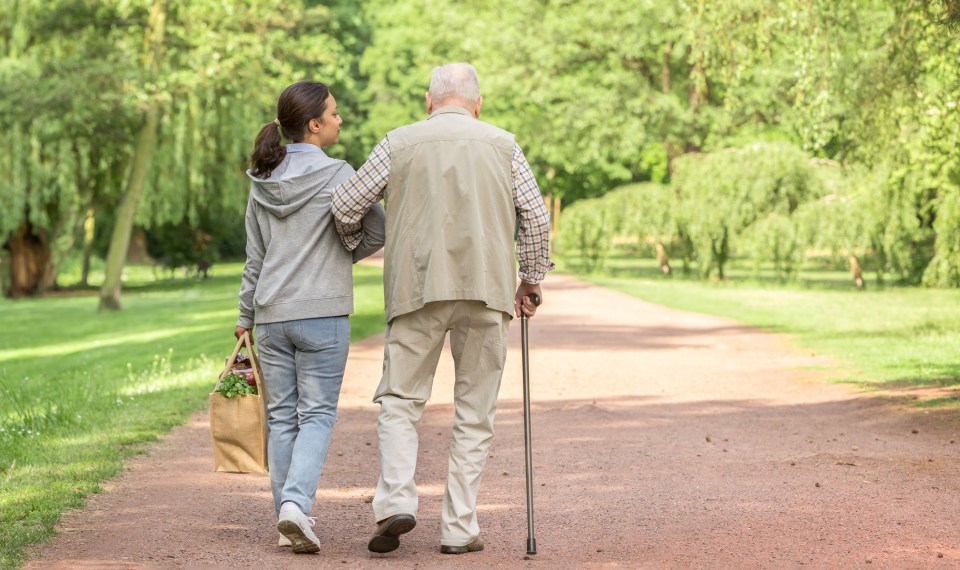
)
(722, 194)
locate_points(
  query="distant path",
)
(662, 439)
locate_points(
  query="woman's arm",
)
(251, 269)
(374, 233)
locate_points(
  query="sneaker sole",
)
(298, 540)
(389, 540)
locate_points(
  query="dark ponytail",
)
(298, 104)
(268, 153)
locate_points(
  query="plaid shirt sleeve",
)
(533, 239)
(358, 194)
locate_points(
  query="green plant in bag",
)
(235, 385)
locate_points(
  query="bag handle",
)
(243, 341)
(254, 362)
(230, 361)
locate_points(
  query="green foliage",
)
(723, 194)
(775, 239)
(65, 112)
(863, 216)
(233, 385)
(74, 88)
(637, 213)
(175, 246)
(219, 91)
(588, 228)
(944, 268)
(644, 211)
(593, 101)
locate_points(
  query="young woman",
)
(298, 290)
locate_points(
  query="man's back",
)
(450, 214)
(456, 189)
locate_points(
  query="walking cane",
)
(531, 539)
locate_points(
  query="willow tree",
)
(63, 66)
(722, 194)
(859, 221)
(147, 109)
(143, 152)
(647, 212)
(213, 73)
(937, 119)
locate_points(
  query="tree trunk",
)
(58, 256)
(89, 225)
(721, 252)
(698, 77)
(555, 213)
(146, 143)
(668, 147)
(29, 258)
(49, 280)
(665, 68)
(662, 258)
(856, 271)
(698, 90)
(123, 227)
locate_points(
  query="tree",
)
(724, 193)
(589, 229)
(599, 93)
(210, 116)
(87, 93)
(647, 212)
(62, 107)
(143, 153)
(852, 224)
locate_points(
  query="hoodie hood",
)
(295, 181)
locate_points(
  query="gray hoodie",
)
(296, 267)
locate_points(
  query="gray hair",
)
(455, 81)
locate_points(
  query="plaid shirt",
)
(352, 200)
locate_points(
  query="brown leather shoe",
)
(386, 538)
(475, 546)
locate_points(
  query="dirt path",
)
(661, 439)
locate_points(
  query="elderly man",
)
(454, 188)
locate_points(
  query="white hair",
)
(454, 81)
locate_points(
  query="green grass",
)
(891, 338)
(81, 390)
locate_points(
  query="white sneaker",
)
(284, 541)
(296, 527)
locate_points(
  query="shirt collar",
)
(450, 109)
(302, 147)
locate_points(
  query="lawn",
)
(81, 390)
(885, 337)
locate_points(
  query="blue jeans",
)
(303, 363)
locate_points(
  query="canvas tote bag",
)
(238, 425)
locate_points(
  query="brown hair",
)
(298, 104)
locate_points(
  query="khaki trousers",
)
(478, 341)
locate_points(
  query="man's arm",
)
(533, 238)
(358, 194)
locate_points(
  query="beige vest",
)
(450, 214)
